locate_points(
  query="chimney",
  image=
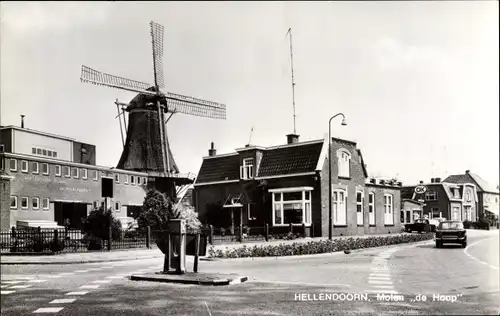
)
(212, 151)
(421, 182)
(22, 120)
(438, 180)
(432, 180)
(292, 138)
(467, 171)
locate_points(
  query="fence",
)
(41, 240)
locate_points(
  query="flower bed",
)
(315, 247)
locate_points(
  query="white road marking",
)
(66, 273)
(48, 310)
(6, 292)
(102, 281)
(115, 277)
(94, 269)
(107, 267)
(380, 278)
(92, 286)
(54, 276)
(63, 301)
(20, 286)
(384, 286)
(379, 282)
(301, 283)
(36, 281)
(466, 251)
(2, 286)
(77, 293)
(81, 271)
(13, 282)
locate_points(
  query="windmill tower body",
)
(146, 147)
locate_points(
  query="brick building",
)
(47, 178)
(288, 183)
(487, 194)
(449, 200)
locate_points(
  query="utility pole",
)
(293, 80)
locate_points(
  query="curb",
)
(79, 261)
(217, 282)
(317, 255)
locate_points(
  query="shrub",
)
(315, 247)
(467, 224)
(98, 222)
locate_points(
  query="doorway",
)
(74, 213)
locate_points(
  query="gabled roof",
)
(219, 168)
(290, 160)
(468, 177)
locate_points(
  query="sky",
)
(417, 81)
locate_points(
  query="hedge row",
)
(316, 247)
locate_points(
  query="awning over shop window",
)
(492, 211)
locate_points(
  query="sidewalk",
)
(138, 254)
(84, 257)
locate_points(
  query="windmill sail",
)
(157, 41)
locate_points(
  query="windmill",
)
(146, 147)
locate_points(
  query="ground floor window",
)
(455, 215)
(468, 213)
(371, 208)
(291, 206)
(359, 207)
(13, 202)
(339, 208)
(388, 210)
(435, 212)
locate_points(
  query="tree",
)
(97, 225)
(157, 210)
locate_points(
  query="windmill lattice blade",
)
(103, 79)
(188, 105)
(157, 39)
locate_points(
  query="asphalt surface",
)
(282, 286)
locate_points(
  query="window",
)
(24, 202)
(54, 154)
(75, 173)
(117, 207)
(371, 208)
(431, 195)
(125, 180)
(33, 151)
(13, 202)
(468, 213)
(38, 151)
(246, 171)
(117, 178)
(49, 153)
(96, 204)
(45, 168)
(2, 166)
(289, 207)
(144, 181)
(456, 214)
(435, 212)
(388, 210)
(67, 172)
(344, 158)
(359, 207)
(408, 217)
(58, 170)
(35, 168)
(468, 196)
(36, 203)
(45, 203)
(132, 179)
(456, 193)
(13, 164)
(44, 152)
(24, 166)
(339, 207)
(96, 175)
(84, 173)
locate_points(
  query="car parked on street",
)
(451, 232)
(420, 225)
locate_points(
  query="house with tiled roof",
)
(288, 185)
(444, 200)
(488, 195)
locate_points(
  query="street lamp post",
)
(330, 221)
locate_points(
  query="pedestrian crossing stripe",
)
(7, 292)
(48, 310)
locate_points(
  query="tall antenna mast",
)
(293, 80)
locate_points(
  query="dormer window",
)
(456, 193)
(431, 195)
(246, 170)
(344, 159)
(468, 196)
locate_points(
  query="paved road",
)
(281, 286)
